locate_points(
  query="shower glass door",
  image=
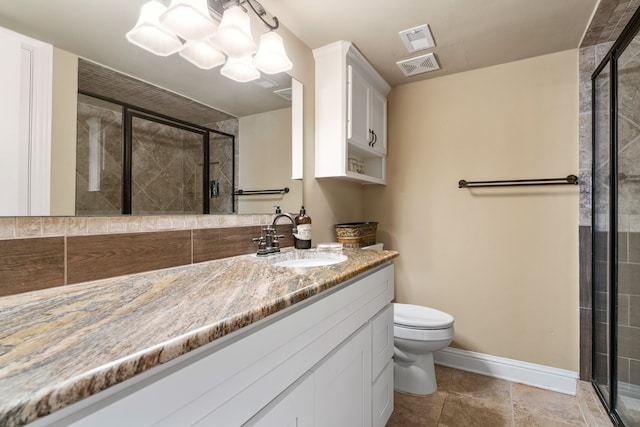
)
(628, 212)
(133, 161)
(166, 167)
(616, 228)
(601, 235)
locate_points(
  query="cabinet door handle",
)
(370, 141)
(375, 138)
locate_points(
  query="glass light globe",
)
(271, 57)
(240, 69)
(234, 33)
(150, 35)
(202, 54)
(190, 19)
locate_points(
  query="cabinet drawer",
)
(381, 340)
(382, 396)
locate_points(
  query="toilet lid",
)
(419, 317)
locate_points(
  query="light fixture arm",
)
(260, 12)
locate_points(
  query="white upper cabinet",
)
(351, 115)
(366, 112)
(378, 120)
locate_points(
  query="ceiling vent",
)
(417, 38)
(419, 64)
(265, 82)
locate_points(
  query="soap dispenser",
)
(302, 239)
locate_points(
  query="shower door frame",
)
(130, 111)
(129, 114)
(610, 60)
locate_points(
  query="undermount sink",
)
(302, 258)
(310, 262)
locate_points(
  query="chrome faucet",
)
(270, 242)
(294, 229)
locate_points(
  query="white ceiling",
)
(469, 34)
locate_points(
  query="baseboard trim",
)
(532, 374)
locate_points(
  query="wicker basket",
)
(356, 234)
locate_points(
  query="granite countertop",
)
(61, 345)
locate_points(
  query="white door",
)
(378, 120)
(25, 125)
(358, 130)
(343, 384)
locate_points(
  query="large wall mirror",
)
(256, 126)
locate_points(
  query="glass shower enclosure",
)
(132, 161)
(616, 228)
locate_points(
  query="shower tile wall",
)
(222, 158)
(101, 194)
(629, 311)
(628, 325)
(166, 162)
(166, 168)
(221, 169)
(601, 279)
(629, 221)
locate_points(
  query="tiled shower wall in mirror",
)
(98, 157)
(166, 165)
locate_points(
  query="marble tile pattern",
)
(106, 119)
(60, 345)
(469, 399)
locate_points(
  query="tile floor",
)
(630, 407)
(465, 399)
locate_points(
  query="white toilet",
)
(418, 332)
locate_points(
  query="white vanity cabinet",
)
(292, 408)
(351, 116)
(321, 362)
(382, 366)
(343, 384)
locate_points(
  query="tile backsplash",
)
(43, 252)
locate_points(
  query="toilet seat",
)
(415, 334)
(419, 317)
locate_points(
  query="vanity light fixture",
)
(271, 57)
(234, 33)
(186, 26)
(240, 69)
(189, 19)
(150, 35)
(202, 54)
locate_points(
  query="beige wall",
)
(63, 132)
(503, 262)
(265, 150)
(327, 201)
